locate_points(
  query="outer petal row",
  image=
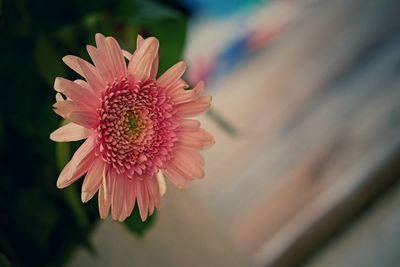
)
(194, 108)
(70, 132)
(142, 61)
(79, 164)
(185, 165)
(126, 191)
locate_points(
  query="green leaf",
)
(141, 12)
(4, 261)
(63, 154)
(135, 225)
(71, 196)
(47, 60)
(172, 35)
(36, 215)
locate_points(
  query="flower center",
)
(133, 123)
(137, 127)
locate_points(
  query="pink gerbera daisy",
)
(136, 127)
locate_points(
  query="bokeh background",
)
(306, 117)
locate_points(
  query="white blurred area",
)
(303, 128)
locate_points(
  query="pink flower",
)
(136, 127)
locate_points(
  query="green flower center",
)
(133, 123)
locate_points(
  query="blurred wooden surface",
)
(372, 241)
(317, 113)
(184, 234)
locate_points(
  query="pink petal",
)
(72, 62)
(128, 203)
(200, 139)
(154, 192)
(59, 97)
(139, 41)
(64, 180)
(142, 199)
(177, 87)
(116, 57)
(70, 132)
(194, 108)
(130, 196)
(82, 152)
(161, 183)
(141, 63)
(188, 163)
(93, 78)
(93, 179)
(183, 96)
(76, 64)
(124, 213)
(78, 163)
(154, 67)
(104, 203)
(193, 156)
(83, 84)
(64, 107)
(105, 192)
(151, 205)
(76, 92)
(103, 49)
(101, 63)
(188, 125)
(84, 118)
(127, 54)
(172, 75)
(178, 179)
(118, 197)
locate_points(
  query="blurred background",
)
(306, 117)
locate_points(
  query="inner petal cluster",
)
(137, 128)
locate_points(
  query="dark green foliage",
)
(4, 262)
(40, 225)
(135, 224)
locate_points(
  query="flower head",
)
(135, 125)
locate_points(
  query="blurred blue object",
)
(219, 8)
(229, 58)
